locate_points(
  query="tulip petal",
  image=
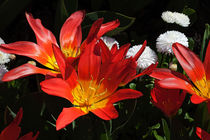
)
(203, 135)
(195, 99)
(107, 113)
(108, 27)
(207, 62)
(29, 136)
(138, 54)
(24, 70)
(29, 49)
(189, 61)
(120, 54)
(147, 70)
(162, 73)
(67, 116)
(105, 52)
(64, 65)
(92, 35)
(57, 87)
(44, 37)
(90, 60)
(12, 131)
(176, 83)
(70, 35)
(123, 94)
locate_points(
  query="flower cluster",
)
(87, 74)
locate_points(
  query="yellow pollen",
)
(202, 88)
(90, 95)
(71, 52)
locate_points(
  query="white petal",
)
(164, 41)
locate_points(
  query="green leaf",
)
(187, 117)
(191, 13)
(166, 129)
(206, 37)
(157, 126)
(158, 137)
(125, 21)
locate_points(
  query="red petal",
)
(207, 62)
(162, 73)
(123, 94)
(67, 116)
(147, 70)
(89, 63)
(105, 52)
(24, 70)
(167, 100)
(94, 30)
(64, 66)
(29, 136)
(107, 113)
(44, 37)
(12, 131)
(176, 83)
(120, 54)
(195, 99)
(57, 87)
(28, 49)
(203, 135)
(114, 49)
(138, 54)
(189, 61)
(70, 35)
(108, 27)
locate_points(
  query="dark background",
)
(143, 118)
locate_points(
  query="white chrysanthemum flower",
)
(181, 19)
(109, 41)
(147, 58)
(3, 70)
(165, 41)
(4, 57)
(175, 17)
(168, 17)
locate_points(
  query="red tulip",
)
(203, 135)
(197, 71)
(12, 131)
(167, 100)
(70, 45)
(90, 88)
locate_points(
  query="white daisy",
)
(4, 57)
(175, 17)
(164, 41)
(147, 58)
(168, 17)
(3, 70)
(109, 41)
(181, 19)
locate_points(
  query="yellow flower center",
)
(202, 88)
(71, 52)
(89, 95)
(52, 64)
